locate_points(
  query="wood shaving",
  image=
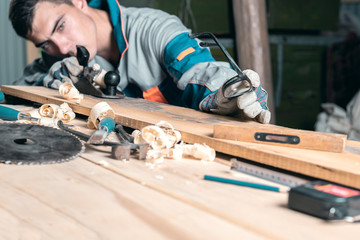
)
(173, 136)
(62, 112)
(165, 125)
(49, 122)
(99, 78)
(154, 136)
(103, 163)
(65, 113)
(174, 153)
(163, 140)
(50, 114)
(44, 121)
(136, 134)
(98, 112)
(199, 151)
(48, 110)
(68, 91)
(159, 136)
(155, 156)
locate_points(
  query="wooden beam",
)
(252, 42)
(197, 127)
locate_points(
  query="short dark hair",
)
(21, 14)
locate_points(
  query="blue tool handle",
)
(107, 122)
(8, 114)
(2, 96)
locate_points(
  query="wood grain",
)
(241, 206)
(197, 127)
(80, 200)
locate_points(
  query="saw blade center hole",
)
(24, 141)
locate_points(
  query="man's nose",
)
(64, 47)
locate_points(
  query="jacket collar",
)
(114, 9)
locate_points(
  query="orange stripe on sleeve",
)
(154, 94)
(122, 29)
(185, 53)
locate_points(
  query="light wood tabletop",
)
(97, 197)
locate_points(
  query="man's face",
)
(58, 29)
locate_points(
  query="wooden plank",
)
(242, 206)
(246, 132)
(197, 127)
(252, 43)
(81, 200)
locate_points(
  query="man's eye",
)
(61, 26)
(45, 46)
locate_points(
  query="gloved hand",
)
(66, 70)
(250, 105)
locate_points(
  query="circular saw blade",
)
(35, 144)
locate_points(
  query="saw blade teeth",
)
(53, 144)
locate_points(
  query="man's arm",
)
(35, 72)
(202, 78)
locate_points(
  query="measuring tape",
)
(267, 174)
(322, 199)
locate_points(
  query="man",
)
(150, 49)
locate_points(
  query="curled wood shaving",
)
(166, 126)
(48, 110)
(174, 153)
(65, 113)
(98, 112)
(154, 136)
(50, 114)
(173, 136)
(62, 112)
(68, 91)
(159, 136)
(163, 140)
(99, 78)
(136, 134)
(199, 151)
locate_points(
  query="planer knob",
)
(111, 80)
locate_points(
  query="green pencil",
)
(246, 184)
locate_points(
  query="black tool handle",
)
(82, 55)
(111, 80)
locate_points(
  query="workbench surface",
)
(97, 197)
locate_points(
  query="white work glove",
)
(66, 70)
(69, 70)
(250, 105)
